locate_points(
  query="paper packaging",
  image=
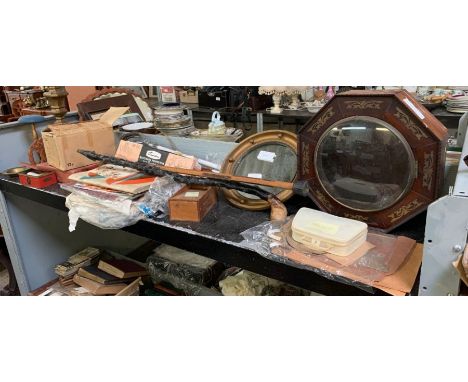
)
(142, 152)
(63, 141)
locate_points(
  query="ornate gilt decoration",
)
(428, 170)
(321, 121)
(403, 117)
(305, 158)
(405, 210)
(362, 105)
(322, 198)
(356, 217)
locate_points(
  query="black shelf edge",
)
(219, 250)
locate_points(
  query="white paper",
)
(192, 194)
(266, 156)
(35, 174)
(254, 175)
(414, 108)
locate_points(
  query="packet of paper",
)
(76, 261)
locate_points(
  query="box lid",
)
(323, 226)
(111, 115)
(191, 194)
(106, 120)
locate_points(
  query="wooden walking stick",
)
(239, 183)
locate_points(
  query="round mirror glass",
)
(271, 161)
(364, 163)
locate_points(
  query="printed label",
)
(153, 155)
(254, 175)
(266, 156)
(192, 194)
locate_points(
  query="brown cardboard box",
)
(63, 141)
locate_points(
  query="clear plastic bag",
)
(102, 213)
(264, 237)
(383, 256)
(273, 241)
(154, 203)
(99, 194)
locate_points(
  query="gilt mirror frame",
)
(241, 151)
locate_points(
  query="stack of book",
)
(109, 277)
(66, 270)
(121, 180)
(90, 272)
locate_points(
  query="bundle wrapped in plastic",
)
(380, 256)
(188, 287)
(185, 265)
(245, 283)
(155, 202)
(106, 210)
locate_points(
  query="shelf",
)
(217, 238)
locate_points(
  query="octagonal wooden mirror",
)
(374, 156)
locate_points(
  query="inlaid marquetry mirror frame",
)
(242, 149)
(425, 135)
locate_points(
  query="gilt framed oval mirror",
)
(271, 155)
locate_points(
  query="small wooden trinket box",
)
(38, 179)
(192, 203)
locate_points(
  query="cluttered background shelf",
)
(39, 215)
